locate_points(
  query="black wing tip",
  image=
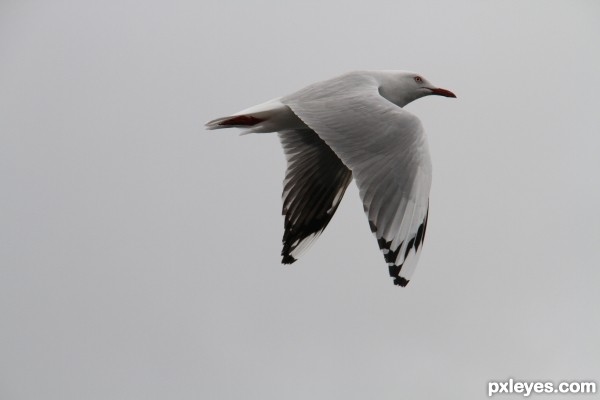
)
(400, 281)
(372, 226)
(287, 259)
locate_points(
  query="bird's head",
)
(403, 87)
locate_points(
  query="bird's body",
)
(352, 126)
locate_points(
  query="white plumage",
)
(352, 126)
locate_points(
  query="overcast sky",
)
(139, 254)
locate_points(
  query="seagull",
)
(352, 126)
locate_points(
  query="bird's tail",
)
(272, 116)
(234, 121)
(251, 119)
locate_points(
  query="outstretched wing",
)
(314, 184)
(385, 148)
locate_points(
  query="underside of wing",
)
(396, 201)
(315, 182)
(401, 266)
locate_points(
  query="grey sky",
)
(139, 254)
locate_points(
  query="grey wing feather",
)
(315, 182)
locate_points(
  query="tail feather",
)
(234, 121)
(272, 116)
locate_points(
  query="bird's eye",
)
(418, 79)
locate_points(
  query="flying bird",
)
(352, 126)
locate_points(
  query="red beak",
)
(442, 92)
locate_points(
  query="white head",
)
(402, 87)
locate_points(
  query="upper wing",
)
(385, 148)
(315, 182)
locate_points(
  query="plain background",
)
(140, 254)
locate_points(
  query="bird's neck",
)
(394, 90)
